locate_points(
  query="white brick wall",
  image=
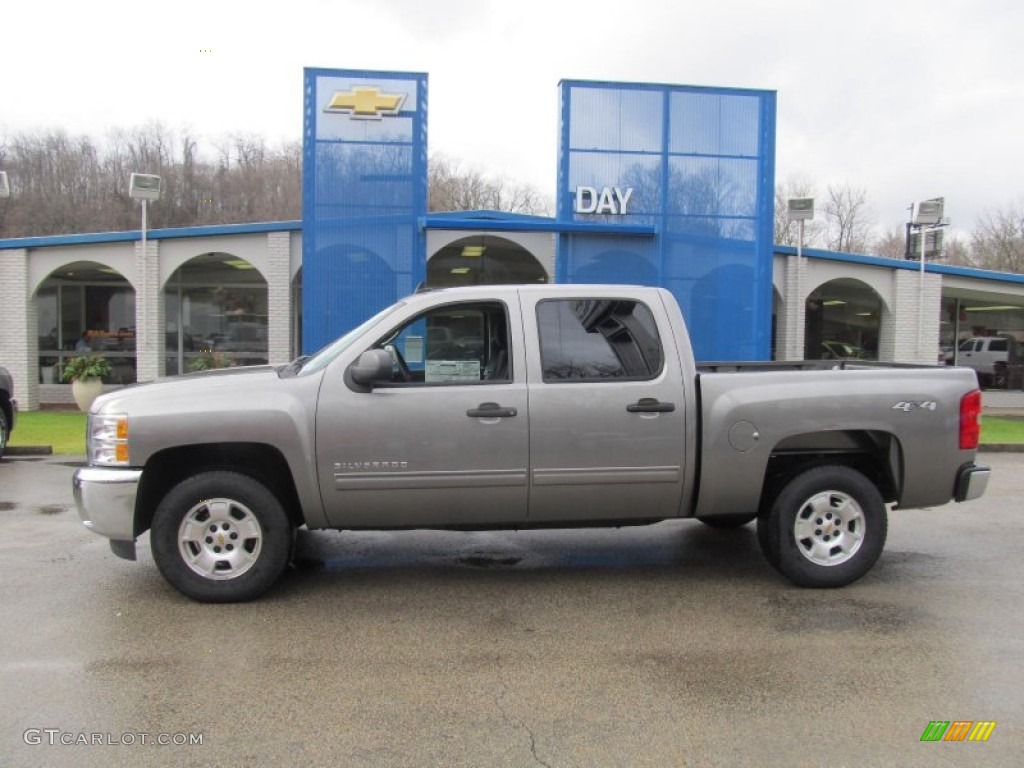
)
(544, 250)
(903, 326)
(279, 297)
(18, 341)
(150, 324)
(789, 334)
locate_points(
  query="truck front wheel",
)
(826, 528)
(221, 537)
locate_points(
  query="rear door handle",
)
(650, 405)
(490, 411)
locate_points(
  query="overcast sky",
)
(907, 99)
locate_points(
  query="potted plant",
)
(86, 376)
(209, 361)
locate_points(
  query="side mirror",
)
(373, 365)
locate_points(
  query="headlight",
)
(106, 439)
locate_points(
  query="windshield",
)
(322, 359)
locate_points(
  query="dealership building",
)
(656, 185)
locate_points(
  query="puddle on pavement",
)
(811, 615)
(7, 506)
(51, 509)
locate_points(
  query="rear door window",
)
(598, 340)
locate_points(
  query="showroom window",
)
(220, 304)
(843, 321)
(85, 308)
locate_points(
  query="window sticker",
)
(452, 371)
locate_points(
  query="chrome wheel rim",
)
(829, 528)
(220, 539)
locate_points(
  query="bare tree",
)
(892, 244)
(786, 231)
(998, 239)
(848, 218)
(453, 187)
(957, 253)
(66, 183)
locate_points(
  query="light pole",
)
(926, 214)
(144, 187)
(800, 209)
(5, 187)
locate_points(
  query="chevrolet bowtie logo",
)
(365, 103)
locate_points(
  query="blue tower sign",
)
(696, 166)
(364, 194)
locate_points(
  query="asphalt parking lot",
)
(668, 645)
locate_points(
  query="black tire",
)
(221, 537)
(768, 545)
(727, 521)
(826, 528)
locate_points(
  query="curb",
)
(1001, 448)
(28, 450)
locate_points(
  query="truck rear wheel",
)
(221, 537)
(768, 545)
(826, 528)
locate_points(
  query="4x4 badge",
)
(909, 405)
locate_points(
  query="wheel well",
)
(165, 469)
(876, 455)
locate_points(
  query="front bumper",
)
(971, 481)
(105, 497)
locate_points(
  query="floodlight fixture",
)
(144, 186)
(928, 213)
(800, 208)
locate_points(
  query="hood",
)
(212, 385)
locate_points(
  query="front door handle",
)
(490, 411)
(650, 405)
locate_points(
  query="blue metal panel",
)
(364, 195)
(700, 164)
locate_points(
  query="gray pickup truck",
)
(518, 407)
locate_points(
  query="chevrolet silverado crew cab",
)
(519, 407)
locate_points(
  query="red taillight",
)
(970, 420)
